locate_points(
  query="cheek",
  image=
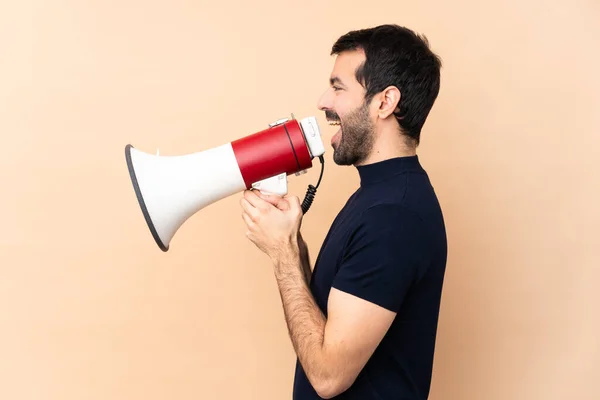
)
(346, 105)
(342, 102)
(343, 114)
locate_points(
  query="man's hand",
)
(273, 221)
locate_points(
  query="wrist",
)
(286, 249)
(287, 258)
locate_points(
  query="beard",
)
(357, 136)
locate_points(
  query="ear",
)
(390, 100)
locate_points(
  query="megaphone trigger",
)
(274, 185)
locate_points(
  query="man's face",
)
(344, 105)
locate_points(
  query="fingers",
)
(249, 223)
(249, 210)
(249, 220)
(257, 202)
(271, 198)
(254, 206)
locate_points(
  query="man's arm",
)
(333, 351)
(360, 311)
(304, 258)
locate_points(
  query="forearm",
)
(305, 321)
(304, 258)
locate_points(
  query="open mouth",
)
(335, 138)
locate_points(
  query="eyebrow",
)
(334, 79)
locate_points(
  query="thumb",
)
(293, 201)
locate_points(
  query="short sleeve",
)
(384, 256)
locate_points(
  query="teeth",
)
(333, 123)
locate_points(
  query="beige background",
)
(92, 309)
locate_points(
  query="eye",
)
(335, 88)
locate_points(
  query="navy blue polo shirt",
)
(388, 246)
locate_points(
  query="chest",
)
(331, 256)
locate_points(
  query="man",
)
(363, 323)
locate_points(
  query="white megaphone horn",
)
(170, 189)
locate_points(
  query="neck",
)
(389, 143)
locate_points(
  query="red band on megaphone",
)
(272, 152)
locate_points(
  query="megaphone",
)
(170, 189)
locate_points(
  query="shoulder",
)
(388, 216)
(389, 228)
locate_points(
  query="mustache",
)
(332, 115)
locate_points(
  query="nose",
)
(324, 102)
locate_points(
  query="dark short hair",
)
(397, 56)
